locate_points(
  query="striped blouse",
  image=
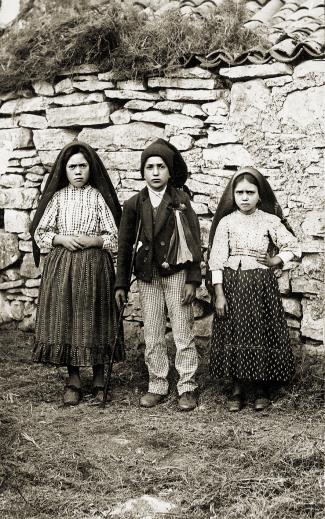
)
(74, 211)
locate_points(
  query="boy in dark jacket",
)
(167, 267)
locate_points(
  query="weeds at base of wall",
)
(119, 38)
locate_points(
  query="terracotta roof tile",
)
(296, 29)
(255, 5)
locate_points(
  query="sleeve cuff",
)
(109, 243)
(46, 240)
(286, 256)
(217, 277)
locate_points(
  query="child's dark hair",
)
(246, 176)
(73, 150)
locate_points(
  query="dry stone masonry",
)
(271, 116)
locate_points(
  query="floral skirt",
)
(76, 319)
(251, 343)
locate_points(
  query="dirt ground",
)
(58, 463)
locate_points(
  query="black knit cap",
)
(172, 158)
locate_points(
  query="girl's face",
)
(77, 170)
(246, 196)
(156, 173)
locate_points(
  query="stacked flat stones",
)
(271, 116)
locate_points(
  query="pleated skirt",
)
(76, 319)
(252, 342)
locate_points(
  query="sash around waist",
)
(245, 252)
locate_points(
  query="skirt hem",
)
(65, 354)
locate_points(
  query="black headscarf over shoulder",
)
(57, 179)
(227, 205)
(268, 203)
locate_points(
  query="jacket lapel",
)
(146, 214)
(164, 210)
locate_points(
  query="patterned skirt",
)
(76, 317)
(252, 342)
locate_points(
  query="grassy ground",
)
(68, 463)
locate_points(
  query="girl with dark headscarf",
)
(77, 219)
(249, 237)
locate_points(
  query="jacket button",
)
(147, 247)
(162, 243)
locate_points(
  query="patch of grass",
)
(42, 50)
(117, 37)
(80, 462)
(172, 40)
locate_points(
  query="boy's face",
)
(156, 173)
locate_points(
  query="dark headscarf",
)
(172, 158)
(99, 179)
(227, 205)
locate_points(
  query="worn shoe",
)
(151, 399)
(71, 395)
(98, 394)
(187, 401)
(262, 400)
(235, 403)
(261, 403)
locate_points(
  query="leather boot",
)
(187, 401)
(71, 395)
(151, 399)
(262, 400)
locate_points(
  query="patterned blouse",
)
(239, 238)
(74, 211)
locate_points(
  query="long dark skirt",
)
(252, 342)
(76, 316)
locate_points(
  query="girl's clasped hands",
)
(73, 243)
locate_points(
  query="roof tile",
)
(296, 29)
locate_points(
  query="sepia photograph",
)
(162, 172)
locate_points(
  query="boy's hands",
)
(120, 298)
(266, 259)
(74, 243)
(188, 294)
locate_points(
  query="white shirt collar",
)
(156, 196)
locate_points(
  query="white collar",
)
(156, 196)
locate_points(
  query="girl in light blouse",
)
(250, 340)
(76, 221)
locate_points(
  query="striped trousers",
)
(161, 297)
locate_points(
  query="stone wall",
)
(270, 116)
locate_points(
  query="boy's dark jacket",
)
(154, 239)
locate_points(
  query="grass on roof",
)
(117, 37)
